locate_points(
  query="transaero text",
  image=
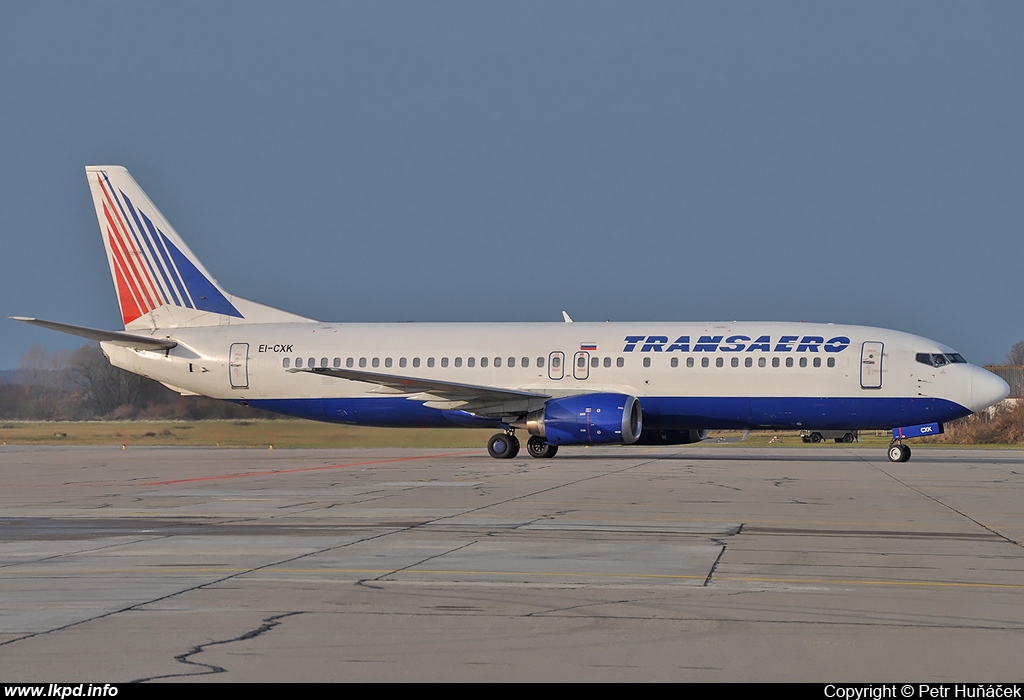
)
(735, 343)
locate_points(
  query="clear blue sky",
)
(434, 161)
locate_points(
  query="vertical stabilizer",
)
(159, 282)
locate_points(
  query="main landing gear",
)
(540, 449)
(503, 445)
(898, 452)
(506, 446)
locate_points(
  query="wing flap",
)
(441, 394)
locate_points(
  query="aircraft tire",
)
(503, 446)
(538, 448)
(815, 437)
(848, 437)
(899, 453)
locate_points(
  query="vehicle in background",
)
(837, 435)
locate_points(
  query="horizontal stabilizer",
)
(128, 340)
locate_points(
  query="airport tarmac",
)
(694, 563)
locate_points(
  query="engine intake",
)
(588, 419)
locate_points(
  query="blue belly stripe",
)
(660, 412)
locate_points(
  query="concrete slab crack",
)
(208, 669)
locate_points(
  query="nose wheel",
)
(503, 446)
(898, 452)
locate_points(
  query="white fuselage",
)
(686, 375)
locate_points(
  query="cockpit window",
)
(938, 359)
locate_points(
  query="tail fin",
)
(159, 282)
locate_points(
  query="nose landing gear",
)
(898, 452)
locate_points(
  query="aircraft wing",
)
(439, 394)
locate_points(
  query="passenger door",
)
(238, 365)
(871, 365)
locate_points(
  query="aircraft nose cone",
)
(987, 390)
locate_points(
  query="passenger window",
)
(647, 362)
(803, 361)
(458, 362)
(362, 362)
(511, 362)
(762, 362)
(387, 361)
(719, 362)
(689, 362)
(444, 361)
(595, 362)
(526, 362)
(581, 361)
(789, 362)
(497, 362)
(735, 362)
(620, 362)
(775, 362)
(349, 362)
(298, 362)
(831, 362)
(471, 362)
(817, 362)
(607, 362)
(402, 362)
(540, 362)
(556, 361)
(286, 362)
(312, 362)
(430, 362)
(375, 362)
(323, 361)
(415, 362)
(748, 362)
(674, 362)
(337, 362)
(483, 361)
(705, 362)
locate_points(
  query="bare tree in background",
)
(1016, 354)
(105, 387)
(41, 374)
(82, 385)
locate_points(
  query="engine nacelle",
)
(588, 419)
(672, 437)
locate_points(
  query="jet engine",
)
(588, 419)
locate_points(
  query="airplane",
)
(568, 383)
